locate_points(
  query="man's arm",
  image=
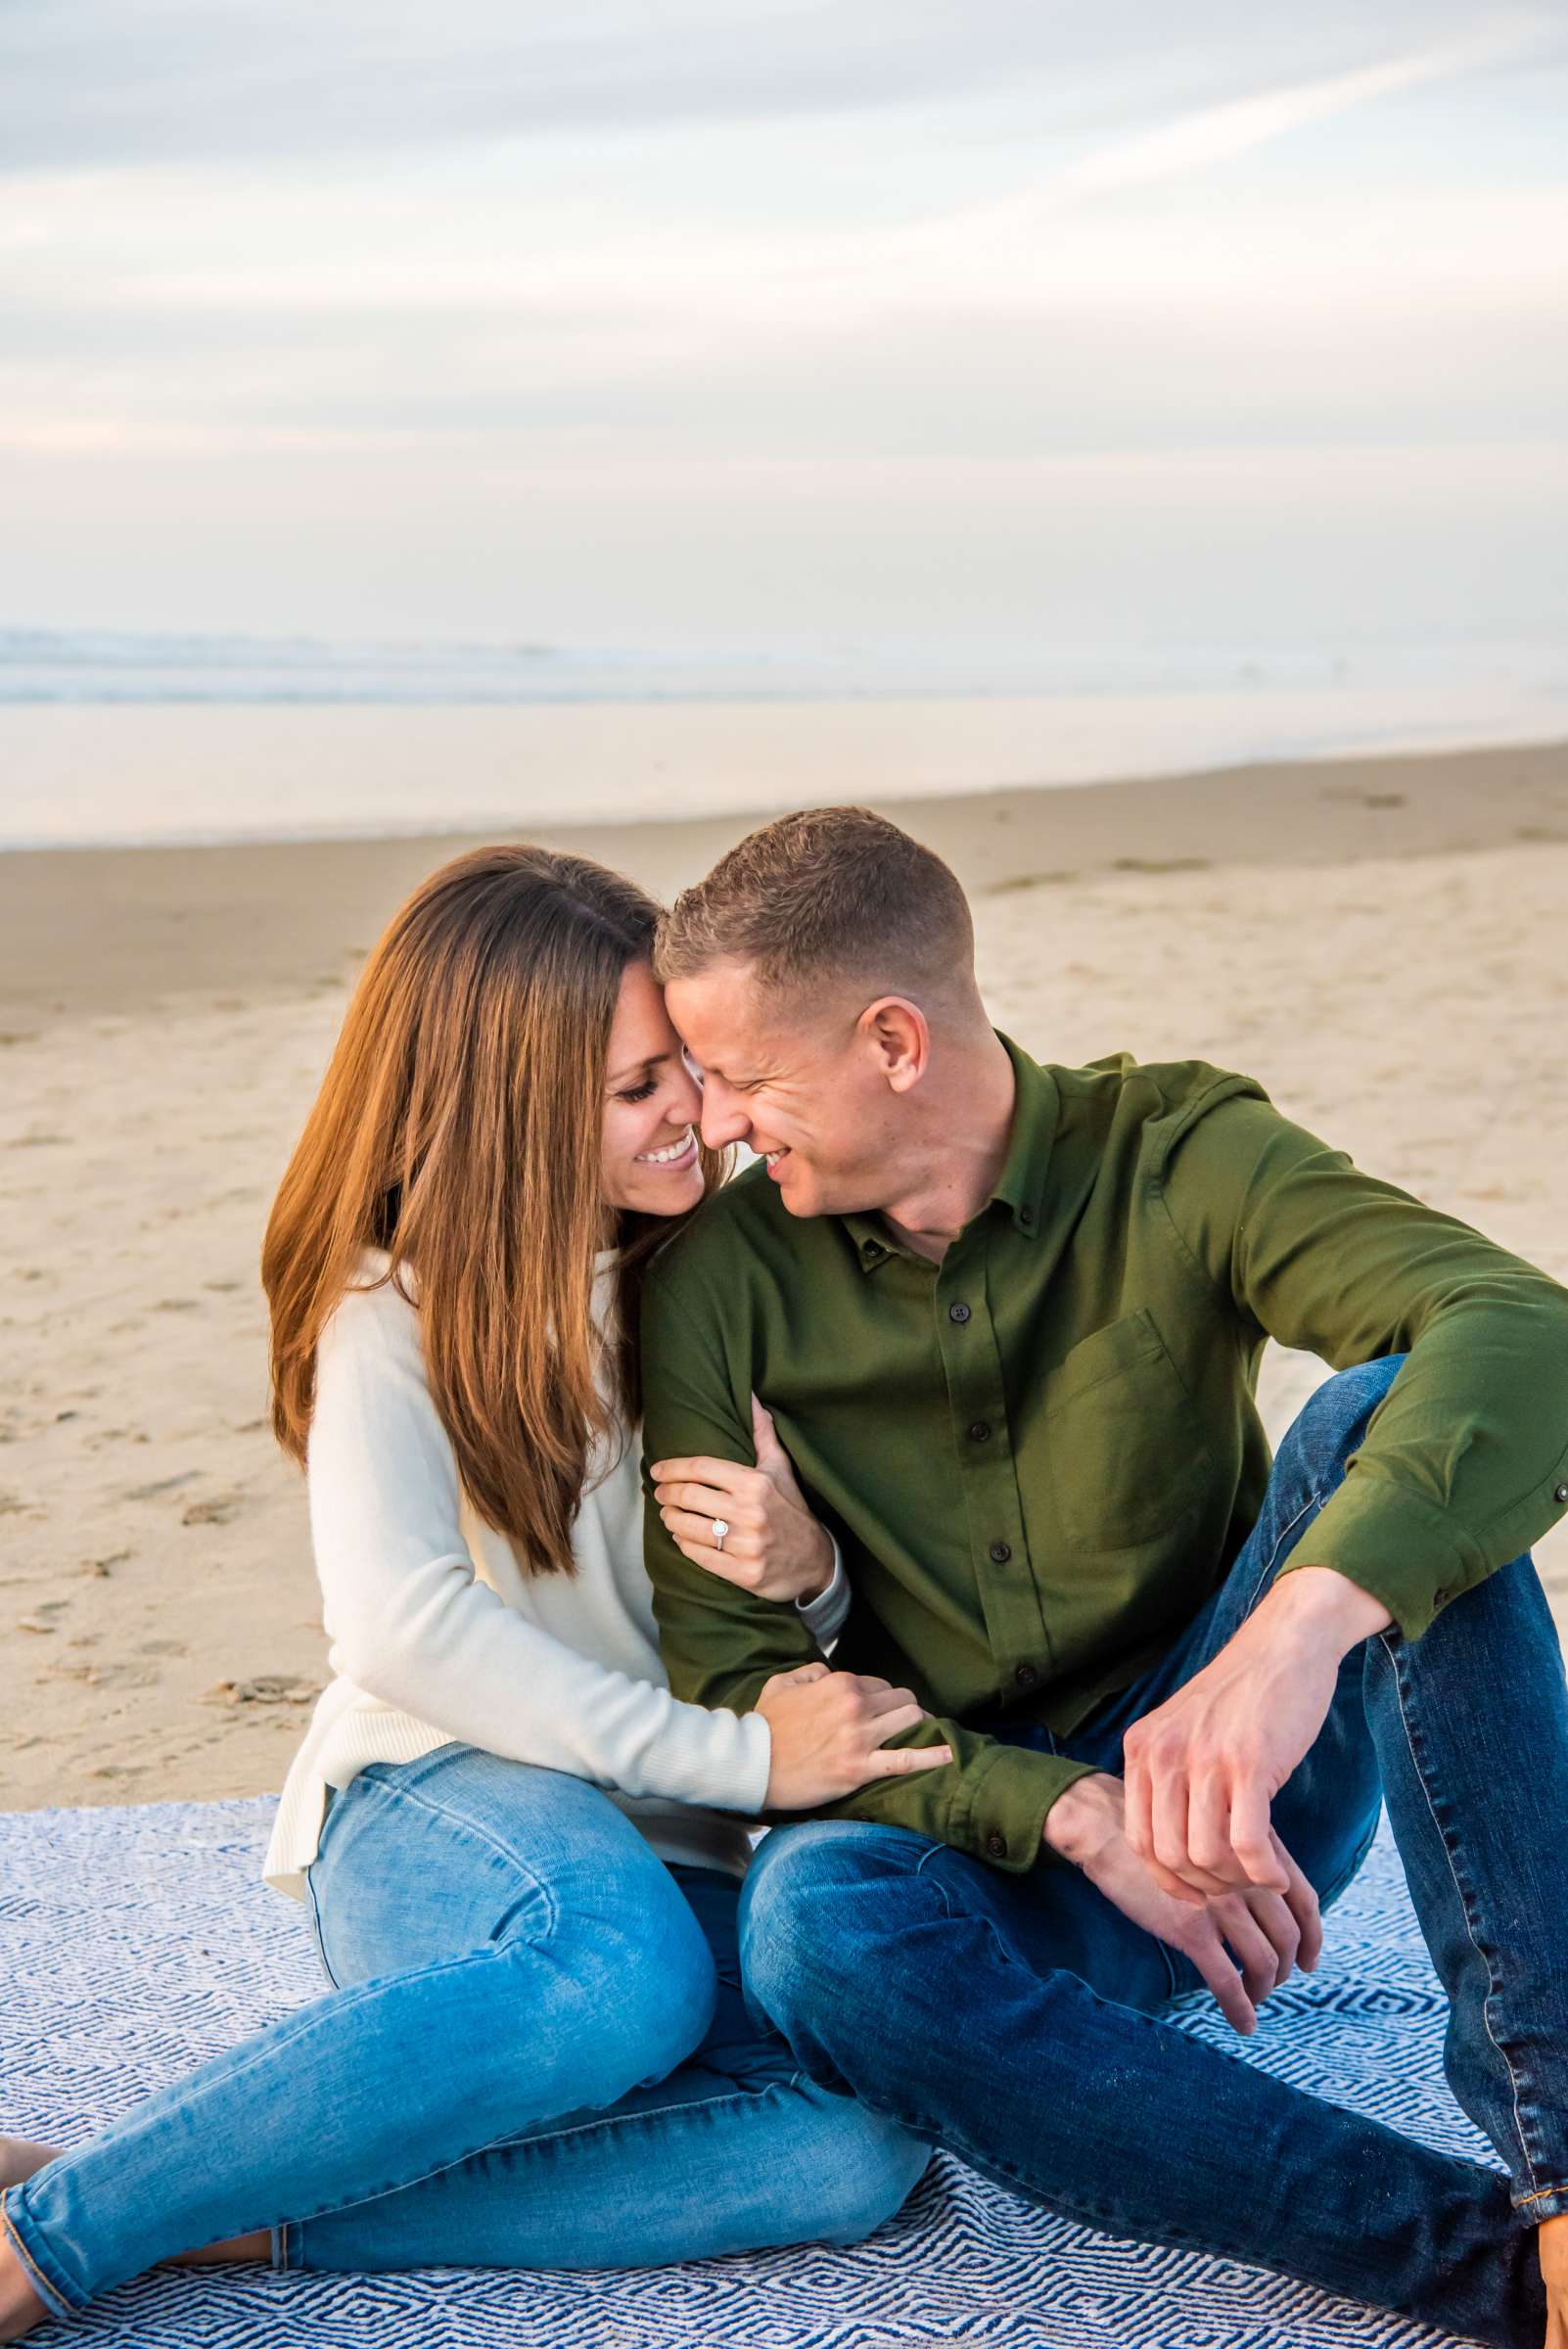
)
(720, 1643)
(1464, 1465)
(1465, 1461)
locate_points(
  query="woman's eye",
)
(641, 1093)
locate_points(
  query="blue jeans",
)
(536, 2054)
(1015, 2019)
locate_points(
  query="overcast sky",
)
(971, 326)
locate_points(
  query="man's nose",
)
(723, 1122)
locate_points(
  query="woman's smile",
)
(675, 1157)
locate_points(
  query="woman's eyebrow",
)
(640, 1068)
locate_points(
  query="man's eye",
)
(640, 1094)
(692, 1068)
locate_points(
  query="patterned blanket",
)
(133, 1943)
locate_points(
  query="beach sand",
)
(1379, 940)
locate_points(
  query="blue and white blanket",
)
(134, 1943)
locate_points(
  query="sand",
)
(1380, 942)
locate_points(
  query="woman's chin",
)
(654, 1195)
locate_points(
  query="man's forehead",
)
(740, 1029)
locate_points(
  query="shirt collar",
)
(1020, 1186)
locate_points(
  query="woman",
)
(520, 1853)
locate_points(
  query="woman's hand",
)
(830, 1731)
(775, 1546)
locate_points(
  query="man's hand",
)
(775, 1546)
(1203, 1769)
(1244, 1944)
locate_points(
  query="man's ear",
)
(895, 1033)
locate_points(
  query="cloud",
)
(1194, 141)
(492, 277)
(90, 82)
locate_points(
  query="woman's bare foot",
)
(19, 2157)
(20, 2305)
(21, 2308)
(1552, 2243)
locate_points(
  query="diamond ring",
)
(720, 1529)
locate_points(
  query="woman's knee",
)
(642, 1980)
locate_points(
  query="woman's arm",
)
(412, 1623)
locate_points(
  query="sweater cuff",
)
(1405, 1551)
(1000, 1818)
(824, 1616)
(733, 1771)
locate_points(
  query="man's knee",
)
(1332, 1421)
(804, 1920)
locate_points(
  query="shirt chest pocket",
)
(1126, 1455)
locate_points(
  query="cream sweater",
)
(439, 1637)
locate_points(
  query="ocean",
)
(124, 739)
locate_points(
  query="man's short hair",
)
(831, 893)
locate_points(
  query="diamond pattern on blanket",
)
(136, 1942)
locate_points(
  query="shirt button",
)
(979, 1430)
(997, 1845)
(1000, 1552)
(958, 1313)
(1025, 1675)
(1561, 1492)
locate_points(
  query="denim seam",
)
(51, 2293)
(1385, 1639)
(320, 1936)
(466, 1826)
(1314, 1501)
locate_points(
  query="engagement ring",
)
(720, 1529)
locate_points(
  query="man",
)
(1007, 1320)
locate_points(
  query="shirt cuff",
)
(1000, 1818)
(825, 1615)
(1405, 1551)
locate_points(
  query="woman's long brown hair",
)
(459, 1127)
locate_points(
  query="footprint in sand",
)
(1016, 881)
(163, 1484)
(218, 1511)
(266, 1688)
(104, 1567)
(1160, 864)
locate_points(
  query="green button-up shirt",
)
(1040, 1456)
